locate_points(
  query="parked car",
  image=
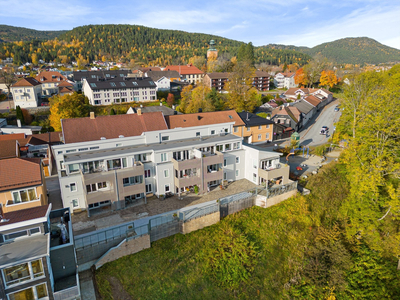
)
(337, 108)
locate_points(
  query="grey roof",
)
(219, 75)
(186, 143)
(253, 120)
(24, 249)
(78, 75)
(303, 106)
(155, 75)
(164, 109)
(120, 83)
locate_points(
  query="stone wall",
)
(262, 201)
(200, 223)
(126, 247)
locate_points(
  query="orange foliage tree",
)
(301, 78)
(328, 78)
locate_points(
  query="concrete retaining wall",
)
(126, 247)
(200, 223)
(262, 201)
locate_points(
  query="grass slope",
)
(14, 34)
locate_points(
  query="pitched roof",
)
(286, 74)
(201, 119)
(25, 214)
(219, 75)
(65, 84)
(303, 106)
(164, 109)
(50, 76)
(290, 111)
(155, 75)
(28, 81)
(78, 75)
(111, 127)
(261, 74)
(184, 70)
(8, 149)
(147, 69)
(49, 137)
(19, 172)
(292, 91)
(13, 136)
(312, 100)
(251, 119)
(120, 82)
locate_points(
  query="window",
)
(226, 130)
(248, 128)
(267, 126)
(166, 188)
(132, 180)
(72, 187)
(163, 156)
(83, 149)
(224, 162)
(112, 84)
(70, 150)
(254, 163)
(254, 177)
(94, 148)
(259, 137)
(17, 234)
(228, 147)
(24, 196)
(59, 152)
(237, 159)
(31, 293)
(237, 173)
(115, 164)
(148, 188)
(165, 138)
(62, 166)
(166, 173)
(118, 144)
(236, 145)
(220, 148)
(92, 166)
(142, 157)
(235, 129)
(93, 84)
(75, 203)
(197, 133)
(146, 173)
(73, 168)
(225, 176)
(97, 102)
(23, 272)
(212, 131)
(267, 136)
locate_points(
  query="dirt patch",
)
(118, 291)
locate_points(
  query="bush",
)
(320, 150)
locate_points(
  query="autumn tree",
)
(300, 78)
(8, 77)
(197, 61)
(185, 98)
(67, 107)
(198, 99)
(34, 59)
(241, 93)
(170, 99)
(328, 78)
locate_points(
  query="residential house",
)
(22, 184)
(188, 73)
(323, 95)
(81, 76)
(163, 79)
(26, 92)
(288, 116)
(307, 109)
(65, 88)
(38, 260)
(284, 80)
(314, 101)
(106, 91)
(50, 81)
(261, 81)
(256, 129)
(118, 171)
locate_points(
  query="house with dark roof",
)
(22, 184)
(163, 79)
(288, 116)
(256, 129)
(80, 76)
(306, 109)
(26, 92)
(38, 255)
(146, 109)
(106, 91)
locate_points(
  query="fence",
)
(93, 245)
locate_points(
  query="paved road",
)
(311, 136)
(4, 106)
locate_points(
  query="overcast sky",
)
(289, 22)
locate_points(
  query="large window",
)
(115, 164)
(163, 156)
(24, 196)
(132, 180)
(23, 272)
(72, 187)
(142, 157)
(32, 293)
(73, 168)
(17, 234)
(93, 166)
(96, 186)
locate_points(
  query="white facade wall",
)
(49, 88)
(26, 96)
(163, 84)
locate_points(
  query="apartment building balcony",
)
(186, 164)
(210, 158)
(214, 175)
(280, 171)
(187, 180)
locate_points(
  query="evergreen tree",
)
(20, 115)
(112, 112)
(249, 53)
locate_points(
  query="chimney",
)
(139, 111)
(92, 117)
(19, 123)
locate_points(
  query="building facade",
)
(26, 92)
(284, 80)
(187, 73)
(50, 81)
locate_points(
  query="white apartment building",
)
(106, 91)
(116, 172)
(26, 92)
(284, 80)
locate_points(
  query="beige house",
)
(22, 184)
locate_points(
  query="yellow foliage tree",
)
(328, 78)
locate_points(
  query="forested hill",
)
(147, 46)
(16, 34)
(349, 51)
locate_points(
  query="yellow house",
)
(22, 184)
(255, 129)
